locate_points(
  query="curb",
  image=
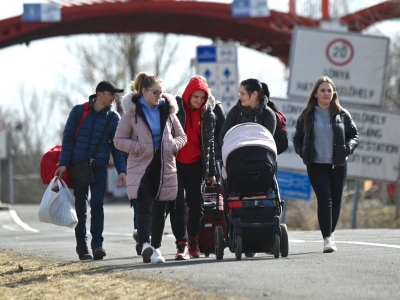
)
(3, 207)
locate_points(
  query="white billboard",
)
(377, 156)
(355, 62)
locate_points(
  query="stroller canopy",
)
(247, 134)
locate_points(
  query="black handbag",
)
(82, 173)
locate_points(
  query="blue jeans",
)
(97, 190)
(328, 184)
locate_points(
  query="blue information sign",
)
(250, 9)
(32, 12)
(294, 185)
(206, 54)
(240, 8)
(41, 12)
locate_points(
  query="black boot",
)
(98, 253)
(83, 253)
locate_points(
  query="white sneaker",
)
(157, 258)
(147, 252)
(329, 245)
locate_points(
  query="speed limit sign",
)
(340, 52)
(355, 62)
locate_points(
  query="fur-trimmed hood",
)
(129, 107)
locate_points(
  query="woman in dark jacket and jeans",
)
(325, 136)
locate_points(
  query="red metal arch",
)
(205, 19)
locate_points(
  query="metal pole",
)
(0, 179)
(10, 168)
(325, 10)
(356, 199)
(285, 205)
(292, 7)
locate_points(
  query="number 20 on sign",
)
(339, 52)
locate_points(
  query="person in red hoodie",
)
(195, 165)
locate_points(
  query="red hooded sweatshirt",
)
(191, 152)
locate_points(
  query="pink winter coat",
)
(134, 137)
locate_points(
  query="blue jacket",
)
(79, 149)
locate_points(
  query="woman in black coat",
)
(218, 111)
(251, 107)
(325, 136)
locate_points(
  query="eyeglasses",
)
(155, 92)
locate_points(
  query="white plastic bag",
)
(57, 206)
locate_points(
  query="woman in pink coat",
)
(151, 134)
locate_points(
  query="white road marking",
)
(19, 222)
(9, 227)
(349, 242)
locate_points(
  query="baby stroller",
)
(252, 203)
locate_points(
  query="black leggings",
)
(150, 212)
(190, 182)
(328, 184)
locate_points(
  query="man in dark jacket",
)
(195, 163)
(79, 142)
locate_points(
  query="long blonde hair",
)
(334, 106)
(144, 81)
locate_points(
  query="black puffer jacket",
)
(218, 111)
(345, 135)
(207, 136)
(239, 114)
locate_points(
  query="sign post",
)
(3, 142)
(218, 64)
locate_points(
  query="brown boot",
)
(194, 249)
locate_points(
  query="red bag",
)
(50, 160)
(49, 165)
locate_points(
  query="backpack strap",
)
(86, 110)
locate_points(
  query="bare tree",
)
(119, 57)
(30, 128)
(163, 63)
(392, 101)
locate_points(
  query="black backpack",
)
(280, 135)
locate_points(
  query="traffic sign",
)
(294, 185)
(356, 63)
(41, 12)
(218, 64)
(250, 8)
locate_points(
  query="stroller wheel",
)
(219, 242)
(277, 245)
(238, 247)
(284, 241)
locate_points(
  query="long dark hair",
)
(253, 84)
(334, 107)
